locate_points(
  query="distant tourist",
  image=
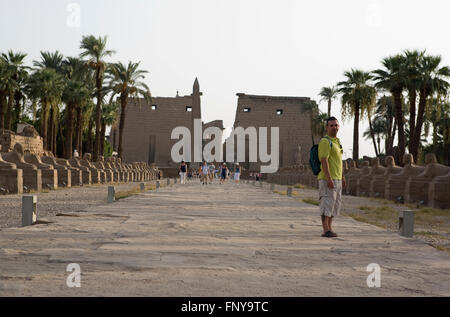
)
(211, 168)
(223, 172)
(205, 171)
(183, 172)
(330, 176)
(237, 173)
(75, 154)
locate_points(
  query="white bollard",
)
(111, 194)
(29, 210)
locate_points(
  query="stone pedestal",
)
(76, 174)
(439, 192)
(377, 186)
(32, 177)
(395, 184)
(11, 178)
(351, 179)
(416, 190)
(86, 172)
(64, 174)
(49, 174)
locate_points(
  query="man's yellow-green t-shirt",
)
(334, 155)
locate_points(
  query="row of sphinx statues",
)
(21, 172)
(427, 185)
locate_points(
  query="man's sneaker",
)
(329, 234)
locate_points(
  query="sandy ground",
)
(214, 240)
(52, 202)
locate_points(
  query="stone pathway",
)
(214, 240)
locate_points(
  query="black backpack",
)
(314, 161)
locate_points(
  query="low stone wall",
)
(424, 185)
(31, 145)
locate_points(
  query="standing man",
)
(330, 177)
(183, 169)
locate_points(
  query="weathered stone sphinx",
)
(351, 179)
(129, 175)
(11, 178)
(377, 186)
(123, 175)
(109, 174)
(49, 173)
(416, 190)
(395, 184)
(64, 173)
(365, 180)
(438, 192)
(32, 176)
(98, 176)
(85, 172)
(76, 173)
(115, 172)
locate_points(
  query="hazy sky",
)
(283, 47)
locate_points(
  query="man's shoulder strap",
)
(329, 140)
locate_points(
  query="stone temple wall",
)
(31, 145)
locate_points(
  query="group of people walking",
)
(208, 172)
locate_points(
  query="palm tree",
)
(110, 116)
(358, 96)
(378, 129)
(95, 49)
(412, 64)
(125, 82)
(316, 118)
(47, 86)
(52, 61)
(328, 94)
(385, 113)
(393, 79)
(432, 80)
(79, 90)
(18, 74)
(6, 84)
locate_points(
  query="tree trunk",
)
(79, 132)
(356, 134)
(90, 141)
(2, 110)
(98, 112)
(102, 141)
(414, 148)
(55, 134)
(379, 146)
(412, 117)
(329, 108)
(373, 137)
(50, 131)
(123, 104)
(17, 109)
(9, 111)
(401, 130)
(44, 123)
(69, 131)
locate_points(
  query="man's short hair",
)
(331, 119)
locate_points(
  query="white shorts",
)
(236, 176)
(330, 199)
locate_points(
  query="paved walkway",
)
(214, 240)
